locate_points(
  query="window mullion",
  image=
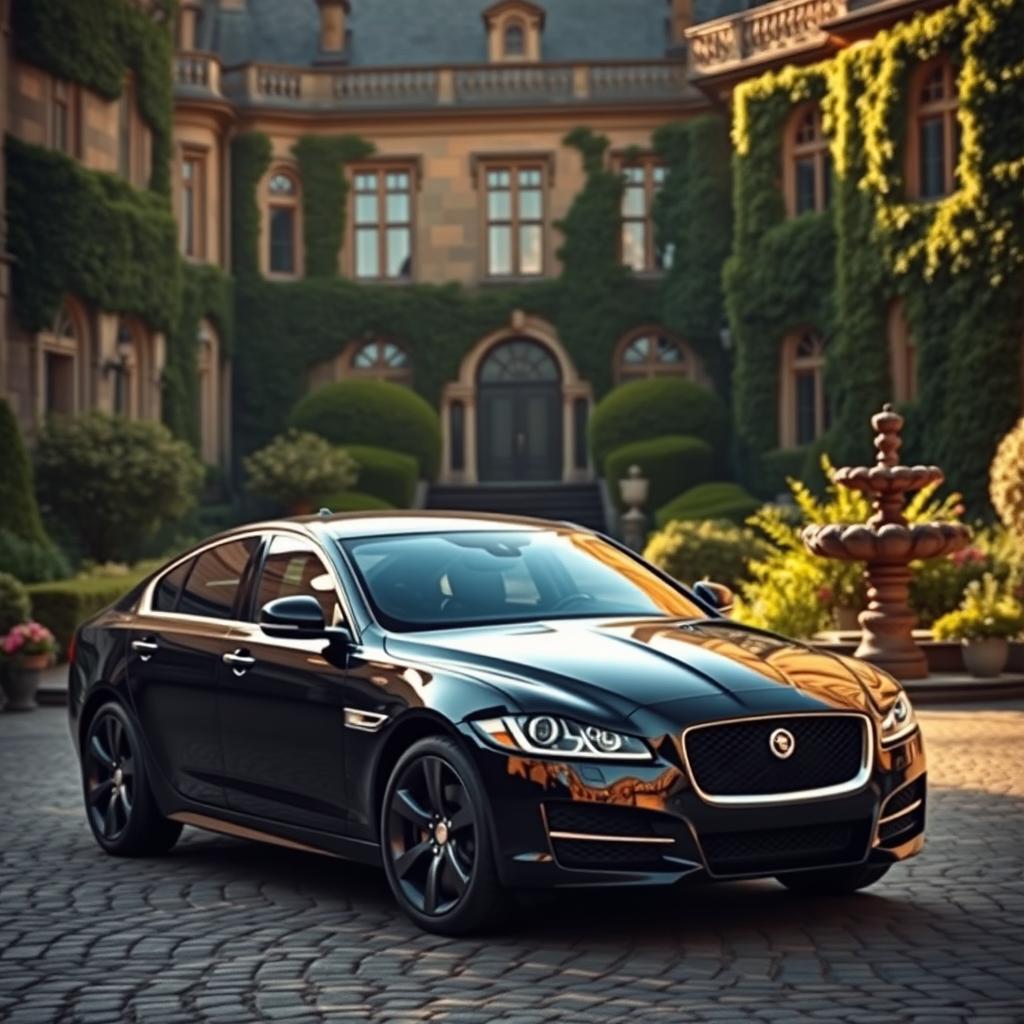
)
(382, 238)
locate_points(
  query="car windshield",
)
(441, 580)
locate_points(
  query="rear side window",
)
(165, 597)
(213, 584)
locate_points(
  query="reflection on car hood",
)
(622, 664)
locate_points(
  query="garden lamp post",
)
(634, 489)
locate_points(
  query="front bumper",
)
(578, 823)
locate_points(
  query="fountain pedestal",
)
(887, 544)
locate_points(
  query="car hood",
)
(621, 665)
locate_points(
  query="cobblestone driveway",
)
(227, 931)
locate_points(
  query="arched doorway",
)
(519, 413)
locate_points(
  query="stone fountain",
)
(887, 543)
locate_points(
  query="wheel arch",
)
(102, 693)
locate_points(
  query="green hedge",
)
(716, 550)
(377, 413)
(355, 501)
(721, 500)
(643, 409)
(385, 474)
(62, 606)
(672, 464)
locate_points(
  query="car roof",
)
(341, 525)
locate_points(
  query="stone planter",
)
(985, 658)
(21, 680)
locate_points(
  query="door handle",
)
(146, 648)
(239, 661)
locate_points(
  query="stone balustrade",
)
(760, 33)
(460, 86)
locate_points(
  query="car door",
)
(282, 701)
(174, 658)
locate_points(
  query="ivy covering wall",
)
(287, 327)
(90, 234)
(956, 263)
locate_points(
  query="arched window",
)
(808, 171)
(935, 132)
(902, 354)
(518, 361)
(514, 40)
(63, 364)
(282, 223)
(803, 406)
(652, 353)
(383, 360)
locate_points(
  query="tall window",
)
(283, 219)
(382, 359)
(61, 117)
(803, 405)
(902, 354)
(193, 203)
(125, 109)
(62, 357)
(936, 131)
(809, 163)
(653, 354)
(643, 180)
(515, 220)
(383, 222)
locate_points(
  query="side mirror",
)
(295, 618)
(718, 595)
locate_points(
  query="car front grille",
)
(598, 855)
(599, 819)
(781, 849)
(735, 759)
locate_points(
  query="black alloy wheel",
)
(437, 847)
(121, 809)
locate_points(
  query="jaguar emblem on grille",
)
(782, 743)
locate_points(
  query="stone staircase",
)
(577, 503)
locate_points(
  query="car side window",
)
(168, 589)
(293, 566)
(213, 584)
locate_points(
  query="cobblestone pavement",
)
(227, 931)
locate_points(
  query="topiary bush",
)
(1006, 481)
(385, 474)
(355, 501)
(643, 409)
(19, 513)
(297, 466)
(715, 550)
(31, 561)
(111, 483)
(672, 464)
(15, 605)
(719, 500)
(374, 412)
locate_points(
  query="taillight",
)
(72, 647)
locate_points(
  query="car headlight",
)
(553, 736)
(899, 721)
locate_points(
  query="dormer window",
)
(513, 30)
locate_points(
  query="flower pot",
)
(847, 618)
(20, 682)
(985, 658)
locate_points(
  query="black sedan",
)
(482, 703)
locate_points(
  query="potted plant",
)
(986, 619)
(28, 648)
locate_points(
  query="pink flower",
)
(825, 595)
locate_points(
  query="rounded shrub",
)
(644, 409)
(714, 550)
(111, 483)
(721, 500)
(385, 474)
(31, 561)
(297, 466)
(355, 501)
(672, 464)
(1006, 482)
(15, 605)
(374, 412)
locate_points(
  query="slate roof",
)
(403, 32)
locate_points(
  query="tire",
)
(436, 840)
(833, 881)
(119, 805)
